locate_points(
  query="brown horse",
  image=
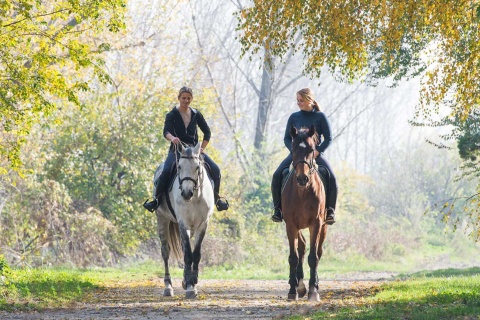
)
(303, 202)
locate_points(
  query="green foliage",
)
(463, 205)
(52, 230)
(43, 44)
(106, 159)
(5, 270)
(467, 135)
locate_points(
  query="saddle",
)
(171, 180)
(321, 170)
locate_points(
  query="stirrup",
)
(221, 204)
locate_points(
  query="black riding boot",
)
(331, 202)
(159, 191)
(220, 202)
(152, 205)
(276, 196)
(330, 219)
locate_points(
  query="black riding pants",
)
(162, 184)
(331, 188)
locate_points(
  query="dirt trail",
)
(217, 299)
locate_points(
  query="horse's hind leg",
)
(301, 289)
(188, 279)
(163, 231)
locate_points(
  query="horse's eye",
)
(198, 168)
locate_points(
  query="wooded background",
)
(85, 86)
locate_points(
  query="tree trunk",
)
(265, 100)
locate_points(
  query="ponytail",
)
(315, 105)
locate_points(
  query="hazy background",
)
(91, 168)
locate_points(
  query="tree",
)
(43, 42)
(371, 39)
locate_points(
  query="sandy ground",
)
(217, 299)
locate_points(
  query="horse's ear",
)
(196, 150)
(293, 131)
(311, 131)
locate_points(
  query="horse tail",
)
(174, 241)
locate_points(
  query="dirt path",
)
(217, 299)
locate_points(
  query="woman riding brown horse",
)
(303, 201)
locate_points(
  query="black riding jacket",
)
(305, 119)
(175, 126)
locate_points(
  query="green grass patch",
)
(441, 294)
(35, 288)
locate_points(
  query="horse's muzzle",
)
(187, 195)
(302, 180)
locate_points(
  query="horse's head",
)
(303, 147)
(189, 168)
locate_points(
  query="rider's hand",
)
(316, 153)
(175, 140)
(201, 150)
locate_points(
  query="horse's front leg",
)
(199, 235)
(313, 263)
(163, 233)
(302, 242)
(187, 283)
(292, 235)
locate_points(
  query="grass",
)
(36, 288)
(441, 294)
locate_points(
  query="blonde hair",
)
(185, 89)
(307, 94)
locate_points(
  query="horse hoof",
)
(184, 285)
(168, 292)
(191, 294)
(293, 296)
(315, 297)
(301, 290)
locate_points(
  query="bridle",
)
(311, 166)
(196, 182)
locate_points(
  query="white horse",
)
(192, 200)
